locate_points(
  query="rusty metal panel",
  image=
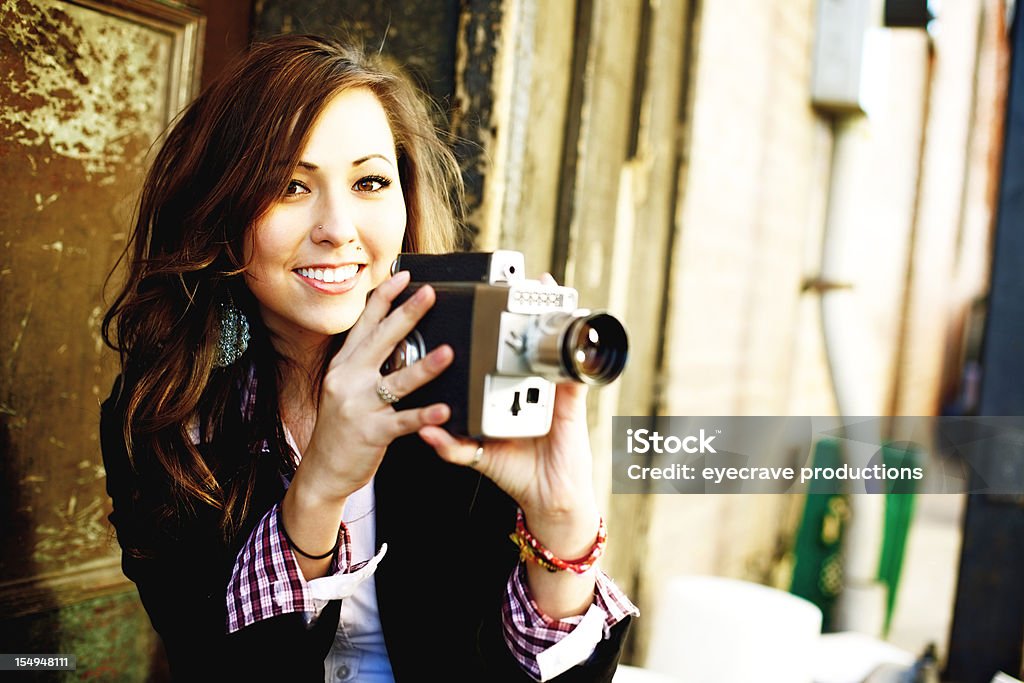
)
(87, 89)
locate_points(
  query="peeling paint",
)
(78, 83)
(89, 472)
(43, 203)
(80, 528)
(95, 322)
(22, 324)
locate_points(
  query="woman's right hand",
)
(354, 425)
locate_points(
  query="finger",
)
(570, 399)
(548, 279)
(407, 380)
(415, 419)
(575, 391)
(378, 305)
(465, 452)
(387, 334)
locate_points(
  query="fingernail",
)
(421, 294)
(401, 277)
(441, 356)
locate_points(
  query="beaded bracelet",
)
(531, 549)
(300, 551)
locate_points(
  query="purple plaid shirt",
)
(267, 582)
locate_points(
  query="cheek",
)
(385, 243)
(263, 244)
(261, 267)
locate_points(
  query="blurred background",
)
(798, 207)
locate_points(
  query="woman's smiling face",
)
(337, 227)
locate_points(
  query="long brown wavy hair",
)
(222, 166)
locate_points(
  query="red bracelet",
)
(531, 549)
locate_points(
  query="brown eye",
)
(295, 188)
(371, 183)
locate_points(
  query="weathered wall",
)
(750, 200)
(949, 261)
(86, 93)
(110, 636)
(766, 179)
(78, 119)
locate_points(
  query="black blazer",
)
(439, 589)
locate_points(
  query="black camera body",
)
(513, 338)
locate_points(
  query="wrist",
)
(536, 554)
(312, 528)
(307, 494)
(318, 487)
(569, 534)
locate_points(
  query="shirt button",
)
(342, 672)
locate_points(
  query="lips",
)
(328, 274)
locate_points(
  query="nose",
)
(334, 225)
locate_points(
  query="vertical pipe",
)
(861, 605)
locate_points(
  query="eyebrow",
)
(312, 168)
(362, 160)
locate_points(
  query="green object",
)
(818, 569)
(899, 512)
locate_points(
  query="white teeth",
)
(330, 274)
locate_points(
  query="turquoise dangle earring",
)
(233, 337)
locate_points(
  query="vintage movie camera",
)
(513, 340)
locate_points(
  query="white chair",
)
(715, 630)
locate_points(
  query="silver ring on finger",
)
(478, 456)
(384, 394)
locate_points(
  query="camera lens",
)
(408, 351)
(594, 348)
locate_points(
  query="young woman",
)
(278, 515)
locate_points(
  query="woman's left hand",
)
(549, 476)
